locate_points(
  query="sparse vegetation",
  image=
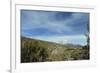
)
(40, 51)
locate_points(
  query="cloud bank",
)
(48, 25)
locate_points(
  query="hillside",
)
(33, 50)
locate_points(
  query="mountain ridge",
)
(68, 45)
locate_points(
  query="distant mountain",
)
(47, 43)
(41, 42)
(73, 46)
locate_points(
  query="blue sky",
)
(59, 27)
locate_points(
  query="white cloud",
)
(63, 39)
(36, 19)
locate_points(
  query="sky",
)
(55, 26)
